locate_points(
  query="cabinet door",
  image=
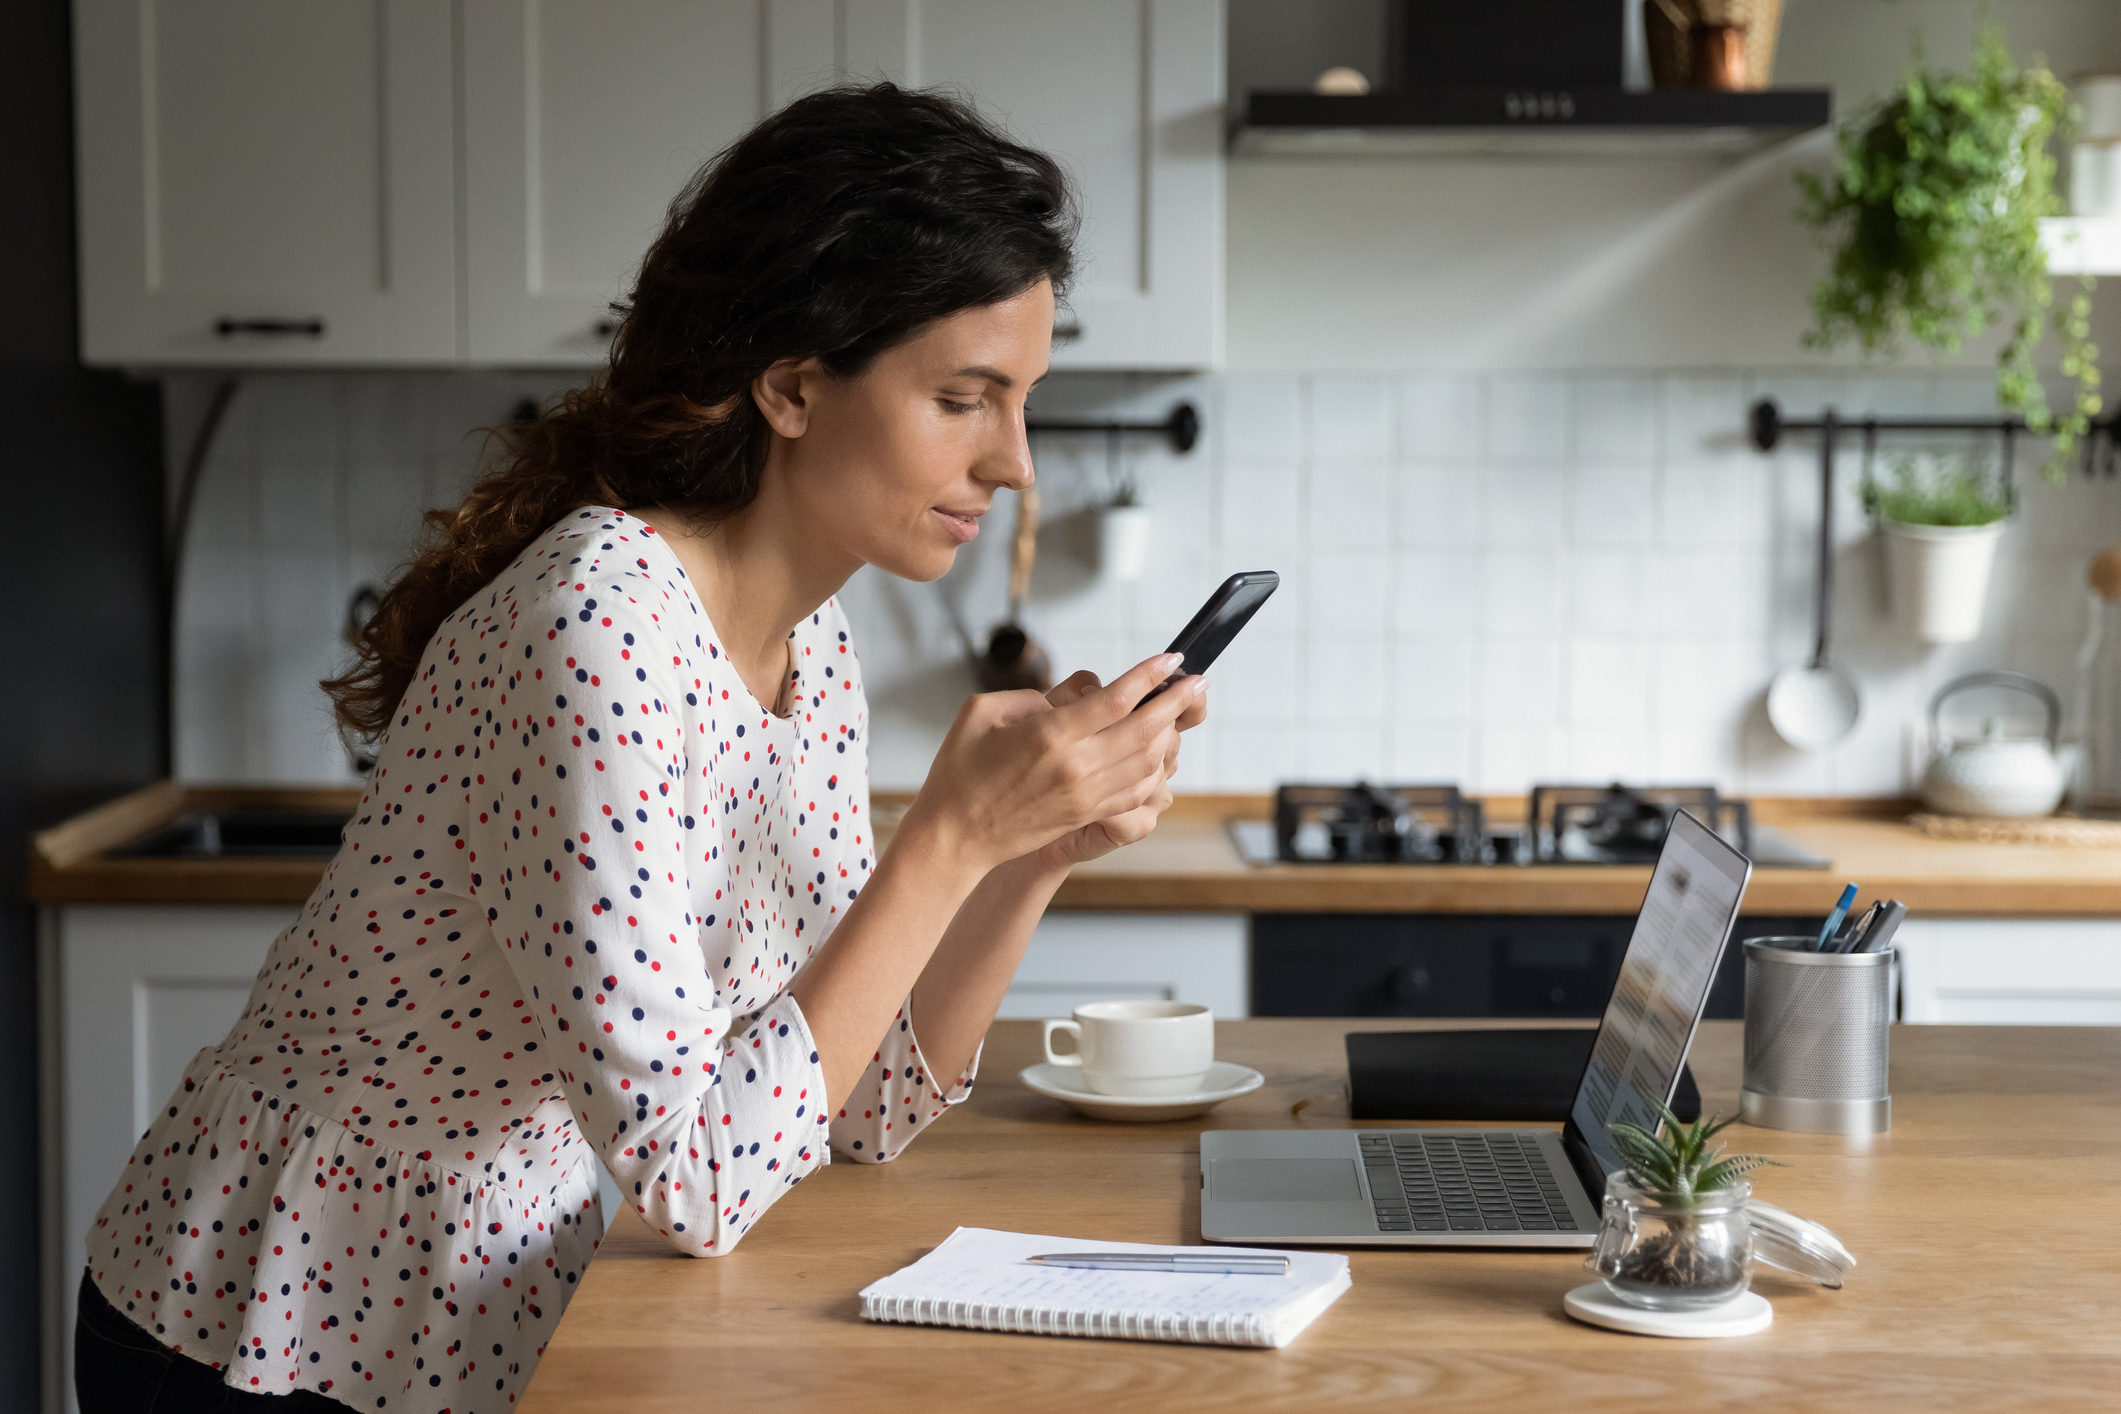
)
(2010, 971)
(266, 183)
(582, 121)
(1128, 94)
(1076, 958)
(139, 991)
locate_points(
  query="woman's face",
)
(896, 467)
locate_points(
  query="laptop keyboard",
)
(1422, 1181)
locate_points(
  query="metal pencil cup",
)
(1817, 1038)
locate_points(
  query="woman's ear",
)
(783, 391)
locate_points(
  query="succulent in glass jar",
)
(1674, 1234)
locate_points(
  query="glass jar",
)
(1667, 1254)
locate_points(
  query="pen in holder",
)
(1817, 1038)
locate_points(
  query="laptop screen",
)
(1663, 985)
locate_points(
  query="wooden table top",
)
(1985, 1226)
(1190, 865)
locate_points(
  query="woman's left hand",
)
(1101, 837)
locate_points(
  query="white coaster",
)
(1595, 1306)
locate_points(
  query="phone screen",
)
(1228, 609)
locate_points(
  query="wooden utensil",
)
(1012, 661)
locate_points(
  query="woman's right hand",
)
(1017, 772)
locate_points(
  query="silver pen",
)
(1882, 931)
(1204, 1262)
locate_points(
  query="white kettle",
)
(1994, 774)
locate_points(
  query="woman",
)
(612, 894)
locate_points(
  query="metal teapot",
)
(1994, 774)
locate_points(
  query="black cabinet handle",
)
(1067, 333)
(270, 328)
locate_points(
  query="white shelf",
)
(2082, 245)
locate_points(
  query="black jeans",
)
(121, 1369)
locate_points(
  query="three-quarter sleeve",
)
(603, 887)
(895, 1098)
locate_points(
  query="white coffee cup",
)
(1138, 1047)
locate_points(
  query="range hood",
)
(1520, 78)
(1489, 122)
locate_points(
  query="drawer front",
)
(1091, 957)
(2011, 971)
(1340, 964)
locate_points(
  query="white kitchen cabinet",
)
(130, 996)
(582, 120)
(266, 184)
(1094, 957)
(1129, 95)
(404, 183)
(2010, 971)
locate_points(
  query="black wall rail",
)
(1181, 428)
(2100, 456)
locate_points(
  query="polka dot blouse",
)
(560, 930)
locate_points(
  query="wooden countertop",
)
(1190, 865)
(1982, 1225)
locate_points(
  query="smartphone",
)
(1228, 609)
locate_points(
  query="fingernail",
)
(1200, 686)
(1171, 660)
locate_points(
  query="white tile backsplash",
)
(1431, 751)
(1527, 419)
(1350, 504)
(1439, 504)
(1520, 592)
(1262, 416)
(1608, 682)
(1615, 419)
(1351, 418)
(1439, 418)
(1604, 592)
(1437, 591)
(1488, 580)
(1526, 505)
(1433, 678)
(1520, 681)
(1613, 503)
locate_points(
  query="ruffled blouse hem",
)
(477, 1260)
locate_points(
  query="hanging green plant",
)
(1936, 214)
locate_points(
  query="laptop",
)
(1502, 1187)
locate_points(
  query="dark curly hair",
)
(841, 226)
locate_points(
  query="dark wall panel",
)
(83, 669)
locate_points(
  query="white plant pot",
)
(1937, 576)
(1123, 541)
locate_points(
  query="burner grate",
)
(1366, 824)
(1617, 824)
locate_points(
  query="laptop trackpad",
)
(1283, 1181)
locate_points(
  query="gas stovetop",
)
(1435, 824)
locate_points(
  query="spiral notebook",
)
(980, 1279)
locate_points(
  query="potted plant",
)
(1940, 523)
(1674, 1234)
(1935, 213)
(1123, 528)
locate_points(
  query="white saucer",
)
(1595, 1306)
(1065, 1083)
